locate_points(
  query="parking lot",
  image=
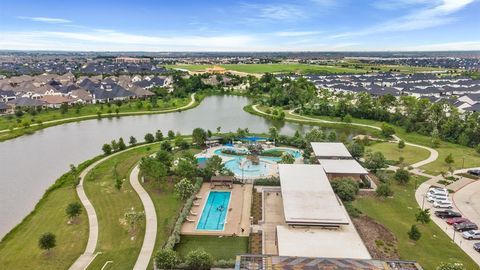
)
(467, 202)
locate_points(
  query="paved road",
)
(192, 101)
(151, 222)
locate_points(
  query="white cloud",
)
(44, 19)
(273, 12)
(421, 18)
(296, 33)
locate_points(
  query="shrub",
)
(414, 233)
(352, 210)
(346, 189)
(166, 259)
(451, 266)
(384, 190)
(402, 176)
(199, 259)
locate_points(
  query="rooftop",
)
(332, 150)
(308, 198)
(342, 166)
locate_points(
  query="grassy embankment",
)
(391, 151)
(398, 214)
(12, 126)
(465, 157)
(19, 248)
(221, 248)
(115, 242)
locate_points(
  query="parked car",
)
(470, 235)
(433, 198)
(443, 204)
(437, 189)
(457, 220)
(447, 214)
(474, 172)
(437, 192)
(466, 226)
(476, 246)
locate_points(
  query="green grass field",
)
(115, 241)
(219, 247)
(19, 248)
(398, 215)
(391, 151)
(273, 68)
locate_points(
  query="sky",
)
(230, 25)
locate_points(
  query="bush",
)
(451, 266)
(402, 176)
(346, 189)
(199, 259)
(267, 182)
(384, 190)
(352, 210)
(166, 259)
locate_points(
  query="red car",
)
(456, 220)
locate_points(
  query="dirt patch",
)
(255, 243)
(380, 242)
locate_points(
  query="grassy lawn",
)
(19, 249)
(273, 68)
(219, 247)
(167, 207)
(391, 151)
(115, 242)
(398, 214)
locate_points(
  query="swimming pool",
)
(250, 170)
(215, 211)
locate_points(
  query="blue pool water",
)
(215, 211)
(249, 170)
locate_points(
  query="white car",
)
(443, 204)
(432, 198)
(471, 235)
(432, 189)
(438, 192)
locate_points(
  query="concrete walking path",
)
(151, 222)
(86, 117)
(89, 254)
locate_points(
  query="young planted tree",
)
(401, 144)
(149, 138)
(73, 210)
(450, 161)
(414, 233)
(152, 168)
(47, 241)
(115, 146)
(199, 136)
(273, 132)
(384, 190)
(184, 189)
(402, 176)
(132, 141)
(133, 218)
(158, 135)
(387, 130)
(107, 149)
(74, 174)
(423, 216)
(121, 144)
(375, 161)
(171, 135)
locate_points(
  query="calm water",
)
(30, 164)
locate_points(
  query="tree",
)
(133, 218)
(384, 190)
(346, 189)
(356, 149)
(375, 160)
(423, 216)
(402, 176)
(149, 138)
(184, 189)
(166, 259)
(63, 108)
(401, 144)
(74, 174)
(414, 233)
(347, 118)
(451, 266)
(171, 134)
(199, 136)
(73, 210)
(273, 132)
(121, 144)
(332, 136)
(186, 168)
(387, 130)
(132, 141)
(198, 259)
(47, 241)
(287, 158)
(107, 149)
(449, 160)
(152, 168)
(165, 157)
(213, 166)
(158, 135)
(166, 146)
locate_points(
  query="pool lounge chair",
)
(190, 220)
(193, 213)
(196, 204)
(198, 197)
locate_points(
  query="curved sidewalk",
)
(151, 222)
(87, 117)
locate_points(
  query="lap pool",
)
(215, 211)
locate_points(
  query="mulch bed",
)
(380, 242)
(255, 243)
(256, 207)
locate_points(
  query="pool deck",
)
(237, 218)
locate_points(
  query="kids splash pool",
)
(215, 211)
